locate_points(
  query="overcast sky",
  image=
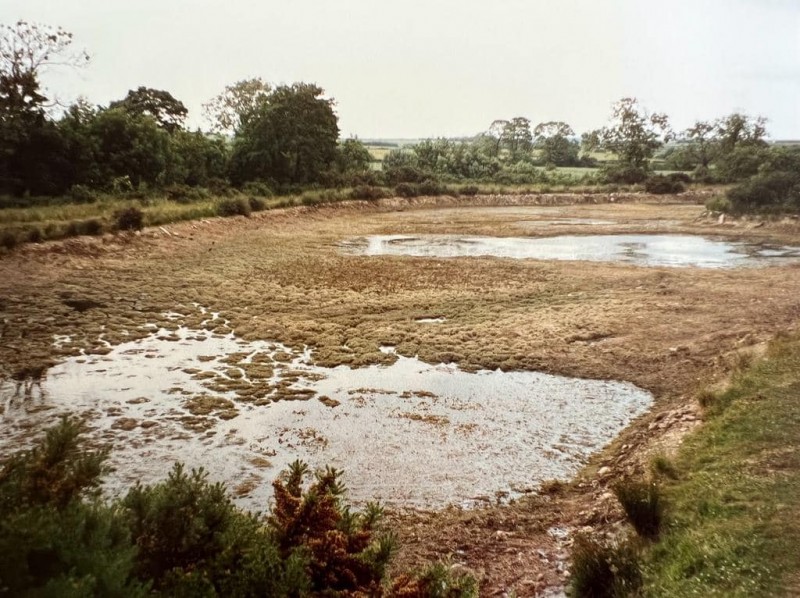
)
(427, 68)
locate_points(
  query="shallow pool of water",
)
(642, 250)
(409, 434)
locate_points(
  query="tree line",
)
(286, 137)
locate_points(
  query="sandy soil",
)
(282, 276)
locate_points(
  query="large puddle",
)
(409, 434)
(642, 250)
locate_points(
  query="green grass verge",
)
(734, 526)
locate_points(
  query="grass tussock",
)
(641, 500)
(604, 570)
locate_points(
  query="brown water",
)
(409, 434)
(640, 250)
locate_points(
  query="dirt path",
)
(282, 276)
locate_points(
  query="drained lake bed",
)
(410, 434)
(642, 250)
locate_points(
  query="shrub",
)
(192, 540)
(774, 192)
(8, 240)
(602, 570)
(626, 175)
(718, 203)
(662, 185)
(642, 504)
(368, 193)
(680, 177)
(55, 539)
(234, 206)
(431, 187)
(469, 190)
(257, 188)
(740, 163)
(219, 186)
(82, 194)
(181, 193)
(406, 190)
(345, 553)
(92, 227)
(34, 235)
(256, 204)
(131, 218)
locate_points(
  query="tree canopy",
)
(290, 139)
(162, 106)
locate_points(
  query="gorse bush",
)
(131, 218)
(604, 570)
(642, 504)
(769, 193)
(8, 240)
(257, 188)
(184, 536)
(625, 175)
(192, 540)
(234, 206)
(345, 554)
(368, 192)
(92, 226)
(182, 193)
(35, 235)
(663, 185)
(56, 539)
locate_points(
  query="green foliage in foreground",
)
(733, 519)
(184, 536)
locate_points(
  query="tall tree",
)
(737, 129)
(633, 134)
(553, 140)
(517, 137)
(702, 143)
(291, 138)
(29, 144)
(230, 111)
(495, 133)
(167, 111)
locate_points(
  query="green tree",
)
(161, 105)
(195, 158)
(495, 135)
(517, 137)
(29, 144)
(291, 139)
(741, 148)
(230, 111)
(702, 143)
(353, 157)
(553, 140)
(633, 135)
(738, 130)
(129, 145)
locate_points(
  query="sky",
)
(445, 68)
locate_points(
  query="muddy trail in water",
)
(282, 278)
